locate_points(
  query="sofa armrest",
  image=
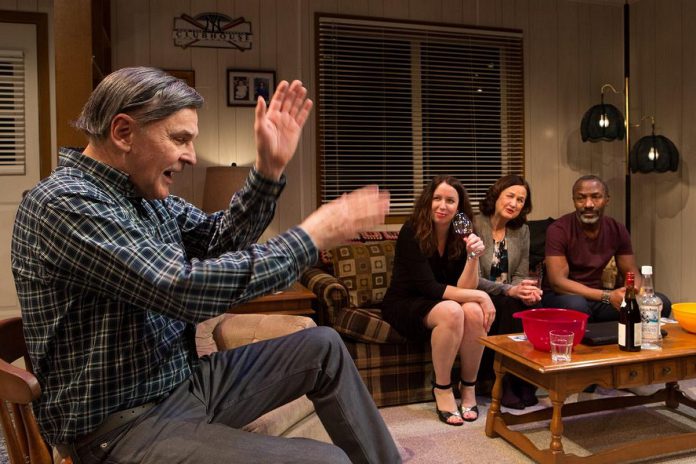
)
(205, 344)
(330, 292)
(235, 330)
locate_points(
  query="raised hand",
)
(343, 218)
(277, 129)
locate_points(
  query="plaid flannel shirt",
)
(111, 285)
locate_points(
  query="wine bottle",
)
(630, 329)
(650, 312)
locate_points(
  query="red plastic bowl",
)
(538, 322)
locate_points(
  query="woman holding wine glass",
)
(504, 268)
(432, 294)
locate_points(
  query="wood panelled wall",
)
(663, 84)
(571, 48)
(73, 62)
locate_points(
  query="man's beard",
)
(589, 220)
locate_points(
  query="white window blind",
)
(399, 103)
(12, 121)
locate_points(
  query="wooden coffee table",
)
(296, 300)
(603, 365)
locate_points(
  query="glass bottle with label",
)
(650, 312)
(630, 330)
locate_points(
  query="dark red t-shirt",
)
(587, 257)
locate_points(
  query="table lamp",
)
(221, 182)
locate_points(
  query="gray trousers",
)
(200, 421)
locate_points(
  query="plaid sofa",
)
(350, 283)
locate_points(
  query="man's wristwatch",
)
(606, 297)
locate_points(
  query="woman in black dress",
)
(433, 296)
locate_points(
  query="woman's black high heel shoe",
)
(444, 416)
(465, 409)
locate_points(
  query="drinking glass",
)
(463, 227)
(462, 224)
(561, 345)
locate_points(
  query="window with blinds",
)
(12, 136)
(399, 103)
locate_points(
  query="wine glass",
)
(463, 227)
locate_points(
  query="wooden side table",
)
(296, 300)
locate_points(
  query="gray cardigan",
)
(517, 244)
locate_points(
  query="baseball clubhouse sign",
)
(212, 30)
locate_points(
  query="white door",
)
(18, 41)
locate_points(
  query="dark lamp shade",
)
(221, 182)
(611, 128)
(654, 153)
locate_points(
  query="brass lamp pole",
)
(627, 145)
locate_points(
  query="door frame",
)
(40, 20)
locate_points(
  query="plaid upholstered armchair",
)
(350, 284)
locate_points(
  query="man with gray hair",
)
(579, 246)
(113, 273)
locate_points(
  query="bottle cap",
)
(646, 270)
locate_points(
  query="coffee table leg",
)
(496, 394)
(556, 425)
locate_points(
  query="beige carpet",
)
(422, 438)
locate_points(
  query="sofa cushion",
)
(537, 241)
(365, 269)
(325, 262)
(366, 325)
(277, 421)
(235, 330)
(205, 343)
(309, 427)
(228, 331)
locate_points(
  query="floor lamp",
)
(604, 122)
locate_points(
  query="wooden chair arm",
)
(17, 385)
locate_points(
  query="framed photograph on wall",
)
(188, 76)
(244, 86)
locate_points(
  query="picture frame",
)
(186, 75)
(245, 85)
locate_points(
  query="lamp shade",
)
(654, 153)
(221, 182)
(602, 122)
